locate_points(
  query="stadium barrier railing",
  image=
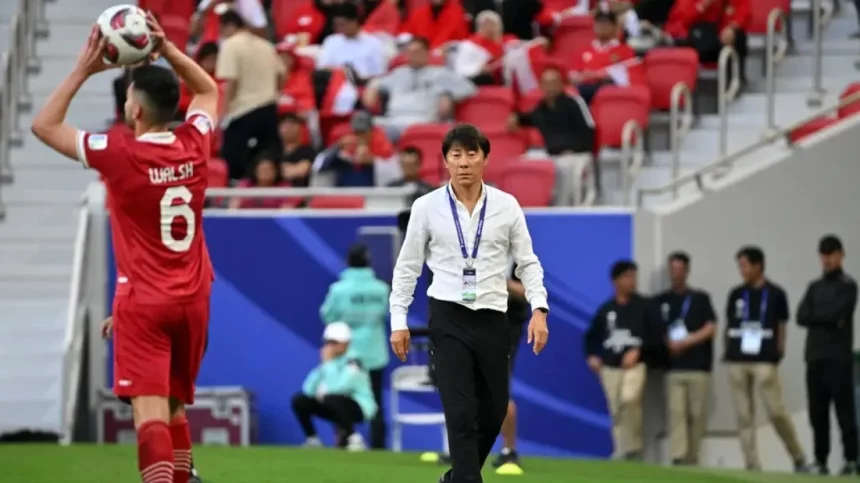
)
(374, 198)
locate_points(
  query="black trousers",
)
(261, 124)
(343, 411)
(832, 382)
(377, 424)
(470, 351)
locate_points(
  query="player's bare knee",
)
(150, 408)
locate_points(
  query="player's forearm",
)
(54, 111)
(197, 79)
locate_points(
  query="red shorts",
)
(158, 348)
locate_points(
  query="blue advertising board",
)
(273, 272)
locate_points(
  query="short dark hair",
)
(292, 117)
(160, 90)
(680, 257)
(413, 151)
(206, 50)
(467, 136)
(829, 244)
(358, 256)
(754, 255)
(422, 41)
(347, 10)
(231, 18)
(264, 156)
(621, 267)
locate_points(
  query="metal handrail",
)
(632, 155)
(727, 91)
(697, 176)
(816, 97)
(312, 191)
(774, 54)
(679, 124)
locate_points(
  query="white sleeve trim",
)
(204, 114)
(81, 149)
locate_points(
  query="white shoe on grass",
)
(313, 442)
(355, 442)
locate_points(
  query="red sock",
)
(181, 436)
(155, 452)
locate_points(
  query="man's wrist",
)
(398, 322)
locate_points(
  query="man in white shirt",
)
(467, 232)
(363, 53)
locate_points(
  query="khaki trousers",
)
(623, 388)
(744, 378)
(687, 395)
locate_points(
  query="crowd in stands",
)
(358, 93)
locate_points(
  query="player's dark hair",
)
(422, 41)
(413, 151)
(231, 19)
(358, 256)
(160, 91)
(680, 257)
(753, 255)
(621, 267)
(467, 137)
(206, 50)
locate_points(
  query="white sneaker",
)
(355, 442)
(313, 442)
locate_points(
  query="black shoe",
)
(818, 469)
(680, 463)
(802, 468)
(850, 469)
(633, 456)
(505, 457)
(445, 478)
(194, 479)
(444, 459)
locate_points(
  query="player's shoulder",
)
(197, 121)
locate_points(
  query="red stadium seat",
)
(531, 182)
(760, 10)
(559, 5)
(574, 34)
(853, 107)
(338, 131)
(811, 128)
(490, 107)
(180, 8)
(613, 106)
(433, 170)
(426, 138)
(177, 29)
(505, 144)
(535, 138)
(282, 12)
(664, 68)
(218, 173)
(336, 203)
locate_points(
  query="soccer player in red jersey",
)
(155, 180)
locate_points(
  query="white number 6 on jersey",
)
(170, 212)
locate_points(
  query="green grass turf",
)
(117, 464)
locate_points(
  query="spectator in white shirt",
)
(467, 232)
(360, 52)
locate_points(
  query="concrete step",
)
(70, 175)
(36, 271)
(54, 69)
(832, 65)
(15, 194)
(35, 253)
(35, 290)
(34, 223)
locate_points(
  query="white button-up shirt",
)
(431, 236)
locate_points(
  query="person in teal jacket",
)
(337, 390)
(361, 300)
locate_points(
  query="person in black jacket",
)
(827, 311)
(614, 342)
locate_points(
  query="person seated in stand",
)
(528, 19)
(298, 156)
(410, 166)
(439, 21)
(710, 25)
(206, 57)
(312, 22)
(205, 23)
(338, 390)
(603, 62)
(478, 58)
(264, 174)
(297, 91)
(353, 157)
(351, 48)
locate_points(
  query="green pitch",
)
(117, 464)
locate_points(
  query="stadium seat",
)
(336, 203)
(433, 170)
(853, 107)
(427, 138)
(531, 182)
(811, 128)
(505, 144)
(664, 68)
(282, 12)
(218, 173)
(176, 28)
(490, 107)
(535, 138)
(574, 34)
(760, 10)
(338, 131)
(180, 8)
(559, 5)
(613, 106)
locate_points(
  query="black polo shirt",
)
(301, 153)
(617, 328)
(744, 306)
(694, 308)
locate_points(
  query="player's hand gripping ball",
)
(129, 38)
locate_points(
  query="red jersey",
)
(599, 56)
(156, 187)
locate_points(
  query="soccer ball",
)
(128, 37)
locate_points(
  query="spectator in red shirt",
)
(297, 93)
(264, 174)
(312, 22)
(601, 63)
(709, 25)
(439, 21)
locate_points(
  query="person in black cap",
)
(614, 343)
(827, 311)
